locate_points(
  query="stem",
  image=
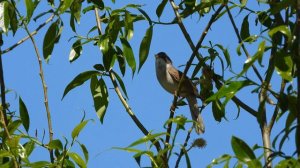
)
(45, 90)
(267, 145)
(297, 55)
(183, 147)
(242, 43)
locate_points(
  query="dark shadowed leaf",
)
(100, 97)
(161, 8)
(49, 40)
(127, 51)
(218, 110)
(245, 28)
(145, 47)
(79, 80)
(76, 10)
(78, 128)
(241, 150)
(128, 25)
(13, 18)
(121, 60)
(121, 83)
(284, 65)
(85, 152)
(24, 114)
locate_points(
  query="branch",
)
(183, 147)
(242, 43)
(45, 90)
(28, 37)
(297, 56)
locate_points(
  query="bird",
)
(169, 77)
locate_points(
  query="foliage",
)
(277, 51)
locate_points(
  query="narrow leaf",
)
(127, 50)
(282, 29)
(78, 160)
(65, 4)
(79, 80)
(146, 139)
(24, 114)
(160, 8)
(128, 25)
(49, 40)
(85, 152)
(145, 47)
(245, 29)
(78, 128)
(29, 9)
(218, 110)
(75, 51)
(284, 65)
(121, 83)
(55, 144)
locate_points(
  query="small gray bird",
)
(169, 77)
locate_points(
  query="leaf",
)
(5, 16)
(76, 10)
(145, 15)
(78, 128)
(78, 160)
(128, 25)
(65, 4)
(85, 152)
(29, 147)
(13, 19)
(127, 50)
(24, 114)
(241, 150)
(76, 51)
(284, 65)
(100, 97)
(13, 126)
(79, 80)
(226, 54)
(245, 29)
(145, 47)
(218, 110)
(282, 29)
(146, 139)
(38, 164)
(160, 8)
(257, 56)
(99, 4)
(29, 8)
(121, 60)
(49, 40)
(121, 83)
(55, 144)
(229, 90)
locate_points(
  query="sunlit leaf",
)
(78, 160)
(146, 139)
(100, 97)
(282, 29)
(39, 164)
(128, 25)
(79, 80)
(29, 147)
(29, 9)
(79, 128)
(65, 4)
(5, 16)
(242, 151)
(85, 152)
(76, 10)
(284, 65)
(145, 47)
(75, 51)
(24, 114)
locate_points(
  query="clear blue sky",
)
(147, 99)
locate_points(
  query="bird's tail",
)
(199, 127)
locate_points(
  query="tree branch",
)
(41, 72)
(28, 37)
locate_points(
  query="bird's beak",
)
(156, 56)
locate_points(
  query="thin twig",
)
(45, 90)
(276, 110)
(183, 147)
(28, 37)
(242, 43)
(297, 56)
(98, 19)
(2, 83)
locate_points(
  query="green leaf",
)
(121, 83)
(146, 139)
(100, 97)
(38, 164)
(5, 16)
(13, 19)
(242, 151)
(49, 40)
(282, 29)
(78, 160)
(265, 19)
(65, 4)
(76, 51)
(226, 54)
(160, 8)
(76, 10)
(128, 25)
(257, 56)
(85, 152)
(127, 50)
(79, 80)
(245, 29)
(121, 60)
(146, 16)
(29, 147)
(55, 144)
(145, 47)
(229, 90)
(24, 114)
(98, 3)
(218, 110)
(284, 65)
(29, 8)
(78, 128)
(13, 126)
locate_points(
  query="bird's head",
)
(162, 56)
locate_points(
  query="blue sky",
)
(147, 99)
